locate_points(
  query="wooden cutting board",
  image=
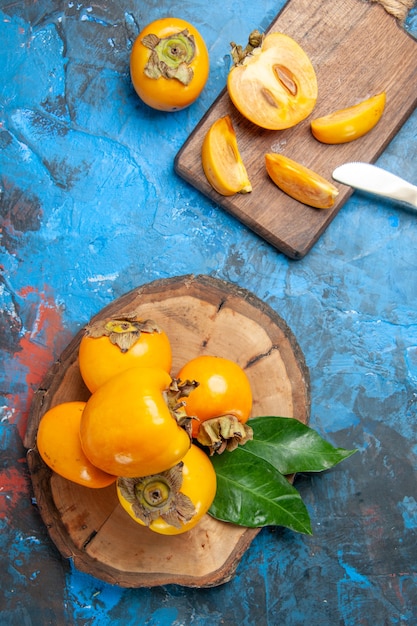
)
(358, 50)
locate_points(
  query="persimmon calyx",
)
(239, 53)
(171, 56)
(223, 433)
(173, 397)
(123, 331)
(157, 496)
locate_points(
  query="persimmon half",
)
(272, 82)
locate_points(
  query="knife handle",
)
(373, 179)
(401, 190)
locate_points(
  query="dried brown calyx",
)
(123, 331)
(158, 496)
(223, 433)
(174, 399)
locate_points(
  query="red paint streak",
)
(37, 353)
(26, 291)
(12, 485)
(396, 582)
(372, 517)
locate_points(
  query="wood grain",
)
(201, 315)
(358, 50)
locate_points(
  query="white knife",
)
(373, 179)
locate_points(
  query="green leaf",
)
(291, 446)
(252, 493)
(252, 489)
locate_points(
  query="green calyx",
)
(157, 496)
(154, 492)
(240, 54)
(171, 57)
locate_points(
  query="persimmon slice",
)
(300, 182)
(221, 160)
(351, 123)
(274, 84)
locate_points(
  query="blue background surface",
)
(91, 208)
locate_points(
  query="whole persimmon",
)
(219, 401)
(174, 501)
(169, 64)
(113, 345)
(130, 428)
(58, 443)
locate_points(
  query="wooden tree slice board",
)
(201, 315)
(357, 50)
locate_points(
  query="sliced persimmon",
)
(350, 123)
(273, 82)
(221, 159)
(300, 182)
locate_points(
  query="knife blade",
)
(373, 179)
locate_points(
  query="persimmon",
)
(113, 345)
(350, 123)
(300, 182)
(221, 159)
(129, 427)
(58, 443)
(174, 501)
(220, 403)
(169, 64)
(272, 82)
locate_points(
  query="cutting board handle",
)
(398, 8)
